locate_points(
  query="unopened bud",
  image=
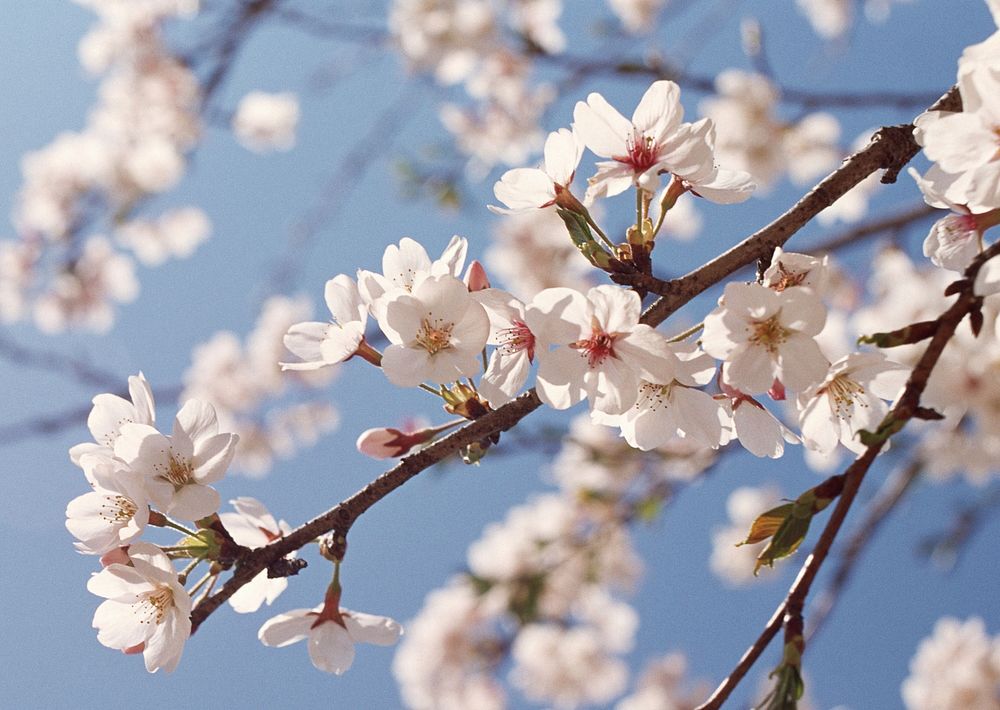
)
(388, 443)
(476, 278)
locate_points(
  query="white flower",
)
(654, 142)
(525, 189)
(264, 122)
(323, 344)
(111, 413)
(663, 412)
(965, 143)
(849, 400)
(566, 667)
(179, 468)
(604, 350)
(789, 269)
(331, 634)
(437, 333)
(515, 345)
(764, 335)
(146, 607)
(403, 267)
(114, 513)
(177, 233)
(757, 429)
(253, 526)
(958, 668)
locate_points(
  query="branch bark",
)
(890, 149)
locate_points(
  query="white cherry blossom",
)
(514, 342)
(323, 344)
(331, 634)
(145, 607)
(757, 430)
(178, 468)
(265, 122)
(111, 413)
(679, 408)
(848, 400)
(654, 142)
(437, 333)
(764, 335)
(114, 513)
(958, 668)
(523, 189)
(603, 349)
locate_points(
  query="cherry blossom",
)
(603, 349)
(764, 335)
(956, 668)
(437, 333)
(757, 430)
(145, 607)
(265, 122)
(323, 344)
(110, 413)
(332, 633)
(515, 344)
(114, 513)
(524, 189)
(654, 142)
(678, 408)
(178, 468)
(252, 525)
(848, 400)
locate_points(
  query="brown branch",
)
(888, 497)
(343, 515)
(905, 408)
(890, 223)
(891, 146)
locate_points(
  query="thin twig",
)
(892, 149)
(890, 223)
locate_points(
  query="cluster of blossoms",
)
(965, 177)
(488, 47)
(142, 478)
(245, 382)
(134, 145)
(958, 667)
(541, 586)
(264, 122)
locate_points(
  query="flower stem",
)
(686, 334)
(177, 526)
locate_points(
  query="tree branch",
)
(891, 148)
(904, 409)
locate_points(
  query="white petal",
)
(287, 628)
(601, 127)
(331, 648)
(369, 628)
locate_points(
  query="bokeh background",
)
(415, 539)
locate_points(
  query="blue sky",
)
(415, 539)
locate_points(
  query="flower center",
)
(787, 279)
(769, 333)
(515, 339)
(599, 347)
(118, 509)
(641, 152)
(153, 606)
(843, 392)
(653, 396)
(179, 472)
(434, 337)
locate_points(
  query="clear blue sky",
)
(417, 537)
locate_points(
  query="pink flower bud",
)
(476, 278)
(391, 443)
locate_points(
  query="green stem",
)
(428, 388)
(182, 577)
(177, 526)
(201, 583)
(686, 334)
(600, 232)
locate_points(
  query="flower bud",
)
(387, 443)
(476, 278)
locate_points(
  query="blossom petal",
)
(287, 628)
(331, 648)
(369, 628)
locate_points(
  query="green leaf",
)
(767, 524)
(785, 541)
